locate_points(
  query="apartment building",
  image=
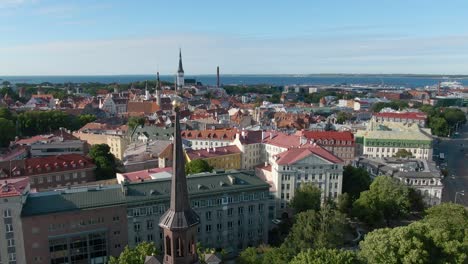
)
(384, 139)
(13, 194)
(340, 143)
(226, 158)
(290, 169)
(51, 171)
(90, 224)
(405, 117)
(203, 139)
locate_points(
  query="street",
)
(456, 159)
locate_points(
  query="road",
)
(457, 160)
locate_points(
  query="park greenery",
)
(31, 123)
(105, 161)
(197, 166)
(307, 197)
(386, 200)
(355, 181)
(135, 255)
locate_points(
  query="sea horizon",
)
(398, 80)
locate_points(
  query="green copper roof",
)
(199, 185)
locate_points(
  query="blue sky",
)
(61, 37)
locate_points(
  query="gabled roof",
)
(222, 134)
(408, 115)
(294, 155)
(13, 187)
(213, 152)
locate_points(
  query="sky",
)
(111, 37)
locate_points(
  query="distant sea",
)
(389, 80)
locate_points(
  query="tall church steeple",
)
(158, 89)
(180, 221)
(180, 72)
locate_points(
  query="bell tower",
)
(180, 221)
(180, 72)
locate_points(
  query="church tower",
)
(180, 72)
(179, 222)
(158, 90)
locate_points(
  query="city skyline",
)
(118, 37)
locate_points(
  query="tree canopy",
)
(7, 132)
(355, 181)
(441, 237)
(326, 256)
(134, 121)
(306, 197)
(315, 229)
(104, 160)
(197, 166)
(387, 199)
(135, 255)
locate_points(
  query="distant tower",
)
(147, 93)
(179, 222)
(40, 90)
(158, 90)
(180, 72)
(116, 88)
(217, 76)
(22, 92)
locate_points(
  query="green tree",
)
(197, 166)
(7, 132)
(306, 197)
(104, 160)
(342, 117)
(397, 245)
(6, 113)
(249, 255)
(440, 237)
(403, 153)
(315, 229)
(387, 199)
(85, 119)
(343, 203)
(135, 255)
(135, 121)
(438, 126)
(326, 256)
(355, 181)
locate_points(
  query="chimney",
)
(217, 77)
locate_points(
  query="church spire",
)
(181, 69)
(158, 82)
(180, 220)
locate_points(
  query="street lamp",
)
(457, 193)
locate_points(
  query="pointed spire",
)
(158, 82)
(180, 215)
(146, 85)
(181, 69)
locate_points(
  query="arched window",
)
(168, 246)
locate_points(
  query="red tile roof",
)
(282, 140)
(328, 135)
(13, 187)
(222, 134)
(66, 162)
(213, 152)
(408, 115)
(296, 154)
(138, 176)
